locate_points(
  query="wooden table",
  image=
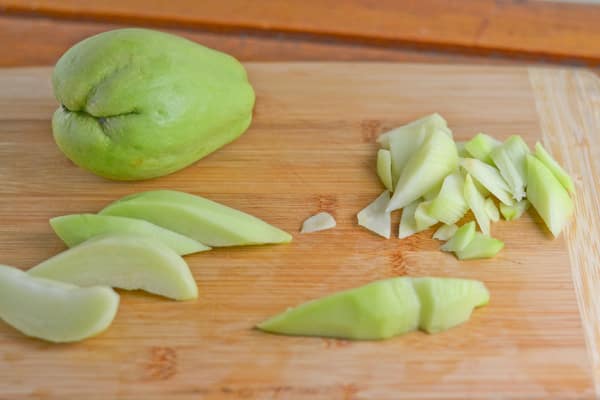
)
(497, 32)
(434, 31)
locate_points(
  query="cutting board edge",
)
(556, 89)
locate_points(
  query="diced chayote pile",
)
(435, 180)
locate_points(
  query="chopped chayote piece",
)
(384, 309)
(201, 219)
(318, 222)
(450, 205)
(375, 218)
(54, 311)
(447, 302)
(509, 158)
(489, 177)
(481, 146)
(427, 123)
(548, 196)
(492, 210)
(515, 211)
(423, 218)
(461, 238)
(558, 171)
(124, 261)
(408, 225)
(77, 228)
(428, 166)
(481, 246)
(445, 232)
(476, 203)
(384, 168)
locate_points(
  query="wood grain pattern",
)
(573, 139)
(552, 29)
(311, 147)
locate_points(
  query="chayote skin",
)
(138, 104)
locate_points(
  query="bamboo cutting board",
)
(312, 147)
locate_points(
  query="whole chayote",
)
(138, 103)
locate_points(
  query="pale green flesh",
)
(481, 146)
(461, 238)
(318, 222)
(489, 177)
(448, 302)
(427, 123)
(206, 221)
(124, 261)
(384, 168)
(378, 310)
(515, 211)
(423, 219)
(375, 218)
(509, 158)
(445, 232)
(138, 103)
(548, 196)
(481, 246)
(461, 149)
(558, 171)
(428, 166)
(449, 205)
(54, 311)
(480, 188)
(433, 192)
(492, 210)
(476, 203)
(408, 225)
(383, 309)
(402, 147)
(77, 228)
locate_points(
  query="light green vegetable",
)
(402, 148)
(482, 246)
(461, 238)
(77, 228)
(548, 196)
(318, 222)
(461, 149)
(203, 220)
(375, 311)
(408, 225)
(492, 210)
(384, 168)
(509, 158)
(484, 192)
(476, 203)
(138, 103)
(384, 309)
(489, 177)
(450, 205)
(515, 211)
(423, 219)
(428, 166)
(54, 311)
(558, 171)
(375, 218)
(447, 302)
(124, 261)
(481, 146)
(427, 123)
(433, 192)
(445, 232)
